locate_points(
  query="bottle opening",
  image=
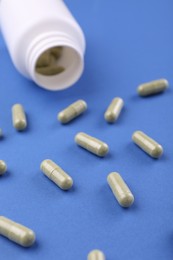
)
(58, 67)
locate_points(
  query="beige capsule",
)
(50, 70)
(120, 189)
(56, 174)
(72, 111)
(152, 87)
(92, 144)
(19, 117)
(16, 232)
(44, 60)
(96, 255)
(147, 144)
(114, 110)
(56, 52)
(3, 167)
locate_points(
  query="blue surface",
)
(128, 43)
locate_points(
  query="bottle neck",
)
(72, 60)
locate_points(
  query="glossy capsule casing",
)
(120, 189)
(147, 144)
(96, 255)
(92, 144)
(16, 232)
(3, 167)
(152, 87)
(72, 111)
(56, 174)
(19, 117)
(113, 111)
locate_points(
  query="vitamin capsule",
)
(92, 144)
(96, 255)
(56, 52)
(121, 191)
(56, 174)
(50, 70)
(152, 87)
(16, 232)
(147, 144)
(114, 110)
(72, 111)
(44, 60)
(3, 167)
(19, 117)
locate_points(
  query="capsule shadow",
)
(34, 247)
(141, 156)
(5, 175)
(152, 96)
(133, 207)
(109, 205)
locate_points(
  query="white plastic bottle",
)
(31, 28)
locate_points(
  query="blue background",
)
(128, 43)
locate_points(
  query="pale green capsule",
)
(114, 110)
(96, 255)
(56, 174)
(44, 60)
(47, 64)
(3, 167)
(72, 111)
(50, 70)
(19, 117)
(147, 144)
(16, 232)
(152, 87)
(120, 189)
(92, 144)
(56, 52)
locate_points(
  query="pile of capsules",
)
(48, 62)
(26, 237)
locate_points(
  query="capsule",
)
(147, 144)
(50, 70)
(92, 144)
(3, 167)
(114, 110)
(44, 60)
(19, 117)
(56, 52)
(120, 189)
(72, 111)
(152, 87)
(56, 174)
(96, 255)
(16, 232)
